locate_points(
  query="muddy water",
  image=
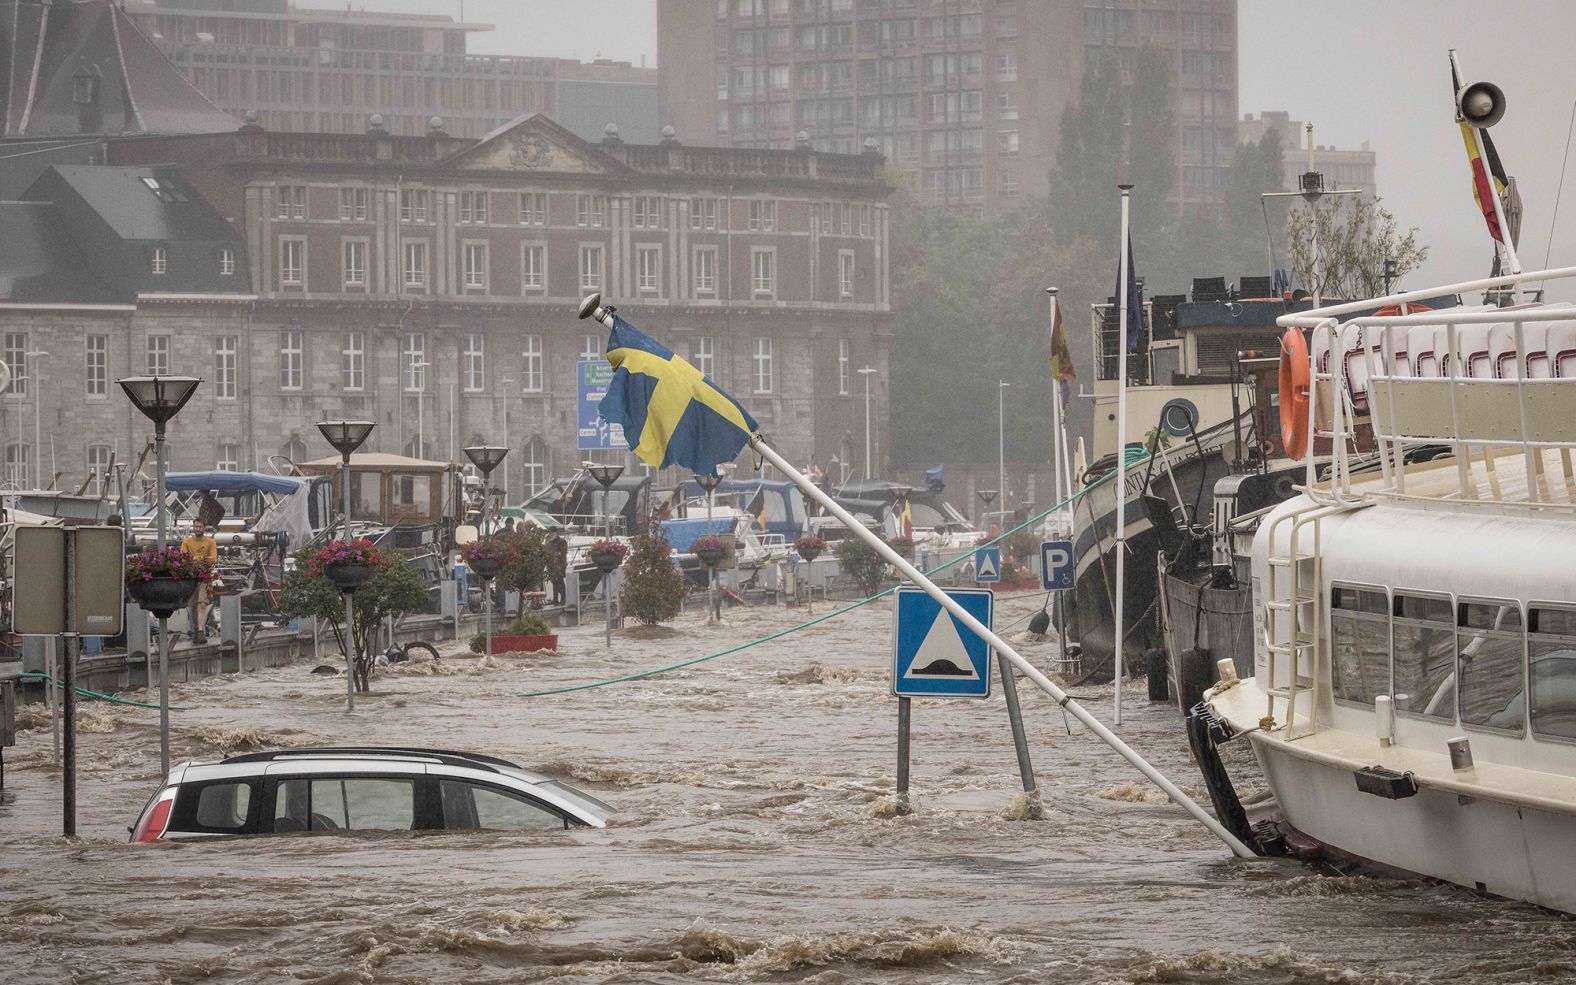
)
(756, 842)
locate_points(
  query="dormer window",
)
(164, 189)
(85, 85)
(159, 260)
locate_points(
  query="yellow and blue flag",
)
(672, 414)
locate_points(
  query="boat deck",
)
(1495, 478)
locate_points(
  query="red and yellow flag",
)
(1488, 177)
(1061, 357)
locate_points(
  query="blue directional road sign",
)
(935, 655)
(1056, 565)
(987, 565)
(592, 378)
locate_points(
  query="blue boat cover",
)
(231, 482)
(682, 534)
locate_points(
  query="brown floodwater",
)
(755, 841)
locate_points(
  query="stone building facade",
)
(429, 284)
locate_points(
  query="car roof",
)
(448, 757)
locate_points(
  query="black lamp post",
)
(987, 496)
(605, 476)
(486, 458)
(710, 483)
(346, 437)
(160, 398)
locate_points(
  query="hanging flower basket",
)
(348, 576)
(607, 555)
(485, 557)
(163, 580)
(809, 548)
(904, 546)
(348, 564)
(711, 550)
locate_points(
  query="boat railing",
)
(1494, 386)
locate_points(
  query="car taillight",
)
(154, 820)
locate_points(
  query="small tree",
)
(655, 590)
(395, 587)
(861, 562)
(1356, 236)
(525, 559)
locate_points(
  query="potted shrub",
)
(348, 564)
(526, 634)
(810, 547)
(485, 557)
(608, 554)
(163, 580)
(711, 549)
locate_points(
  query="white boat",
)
(1413, 698)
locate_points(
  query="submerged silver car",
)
(360, 789)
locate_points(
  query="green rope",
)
(94, 695)
(834, 614)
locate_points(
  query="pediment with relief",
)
(533, 145)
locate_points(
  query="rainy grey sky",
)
(1357, 69)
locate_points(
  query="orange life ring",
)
(1294, 394)
(1399, 309)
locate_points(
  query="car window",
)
(344, 804)
(223, 805)
(471, 806)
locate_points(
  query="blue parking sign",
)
(1056, 565)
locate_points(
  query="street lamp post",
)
(38, 409)
(507, 383)
(160, 398)
(346, 437)
(710, 483)
(605, 476)
(419, 374)
(987, 496)
(486, 458)
(866, 372)
(1001, 439)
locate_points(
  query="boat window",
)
(412, 495)
(1551, 655)
(1359, 644)
(1425, 656)
(366, 495)
(1490, 671)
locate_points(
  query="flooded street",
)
(755, 841)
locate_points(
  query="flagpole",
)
(1505, 242)
(1121, 448)
(1056, 411)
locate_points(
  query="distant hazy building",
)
(310, 70)
(1341, 168)
(965, 96)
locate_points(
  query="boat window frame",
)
(1525, 728)
(1396, 619)
(1532, 604)
(1389, 620)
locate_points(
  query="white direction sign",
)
(936, 656)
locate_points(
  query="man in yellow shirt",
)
(200, 545)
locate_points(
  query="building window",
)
(703, 213)
(97, 365)
(355, 263)
(845, 273)
(224, 366)
(227, 262)
(533, 208)
(591, 268)
(705, 352)
(158, 353)
(533, 267)
(1007, 181)
(1006, 106)
(648, 212)
(16, 467)
(763, 270)
(474, 362)
(291, 203)
(531, 374)
(1006, 67)
(864, 220)
(415, 362)
(590, 348)
(290, 351)
(292, 262)
(159, 260)
(476, 266)
(16, 358)
(416, 266)
(588, 211)
(706, 270)
(648, 266)
(763, 215)
(353, 204)
(415, 204)
(1490, 671)
(842, 367)
(473, 208)
(229, 457)
(534, 462)
(352, 361)
(763, 365)
(98, 466)
(1007, 141)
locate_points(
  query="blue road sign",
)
(592, 377)
(1056, 565)
(987, 565)
(934, 655)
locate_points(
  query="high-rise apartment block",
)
(328, 71)
(964, 96)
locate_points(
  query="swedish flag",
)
(671, 413)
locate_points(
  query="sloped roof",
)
(45, 48)
(121, 196)
(40, 264)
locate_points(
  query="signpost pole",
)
(1020, 742)
(902, 756)
(68, 795)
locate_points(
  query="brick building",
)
(429, 284)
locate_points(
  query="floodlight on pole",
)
(346, 437)
(160, 398)
(867, 372)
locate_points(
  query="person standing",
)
(557, 564)
(199, 545)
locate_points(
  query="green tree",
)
(862, 563)
(525, 559)
(1356, 235)
(395, 587)
(654, 588)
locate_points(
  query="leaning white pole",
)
(1121, 452)
(1045, 684)
(1506, 245)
